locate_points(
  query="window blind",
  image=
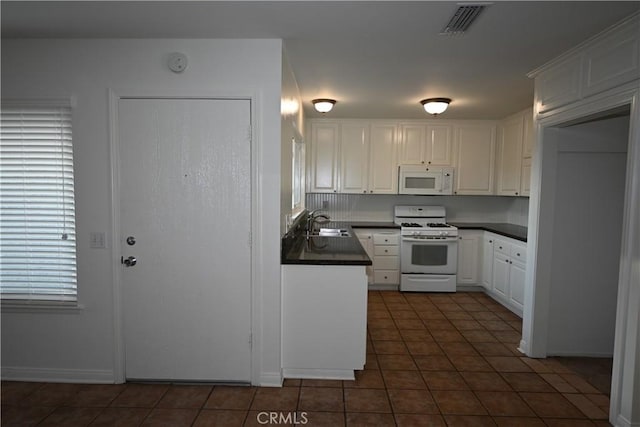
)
(37, 210)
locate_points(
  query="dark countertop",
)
(513, 231)
(373, 224)
(317, 250)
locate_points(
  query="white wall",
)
(80, 345)
(587, 235)
(379, 207)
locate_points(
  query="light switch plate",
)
(97, 240)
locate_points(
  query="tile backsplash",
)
(379, 207)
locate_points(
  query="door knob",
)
(129, 262)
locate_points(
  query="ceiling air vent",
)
(462, 18)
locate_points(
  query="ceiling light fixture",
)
(323, 105)
(435, 106)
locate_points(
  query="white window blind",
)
(37, 211)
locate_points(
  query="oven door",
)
(429, 256)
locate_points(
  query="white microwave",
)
(425, 180)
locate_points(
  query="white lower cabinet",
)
(469, 242)
(324, 321)
(383, 247)
(366, 240)
(503, 270)
(486, 270)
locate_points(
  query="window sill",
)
(41, 307)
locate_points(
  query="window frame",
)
(50, 304)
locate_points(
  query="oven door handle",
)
(413, 239)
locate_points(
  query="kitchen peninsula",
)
(324, 304)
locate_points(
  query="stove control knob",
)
(415, 233)
(444, 233)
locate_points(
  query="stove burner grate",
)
(410, 224)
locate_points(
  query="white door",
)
(185, 199)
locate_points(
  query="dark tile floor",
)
(432, 360)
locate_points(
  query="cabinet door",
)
(412, 147)
(468, 251)
(367, 243)
(510, 156)
(516, 284)
(500, 275)
(487, 261)
(354, 158)
(324, 158)
(529, 141)
(383, 166)
(439, 145)
(525, 181)
(475, 159)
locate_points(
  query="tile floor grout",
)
(440, 378)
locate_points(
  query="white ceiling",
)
(377, 58)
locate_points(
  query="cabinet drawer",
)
(386, 263)
(391, 277)
(386, 239)
(386, 250)
(519, 252)
(502, 247)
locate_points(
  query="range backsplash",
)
(379, 207)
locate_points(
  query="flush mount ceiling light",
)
(435, 106)
(323, 105)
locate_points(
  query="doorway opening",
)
(585, 171)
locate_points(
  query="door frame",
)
(540, 226)
(256, 252)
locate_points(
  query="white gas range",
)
(428, 249)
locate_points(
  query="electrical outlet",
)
(325, 204)
(97, 240)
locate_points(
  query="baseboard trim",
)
(94, 376)
(320, 374)
(271, 380)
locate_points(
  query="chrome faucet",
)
(313, 218)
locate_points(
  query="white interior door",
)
(185, 198)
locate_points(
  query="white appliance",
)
(425, 180)
(428, 249)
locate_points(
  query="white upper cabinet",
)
(426, 144)
(383, 159)
(354, 158)
(475, 158)
(324, 157)
(514, 151)
(529, 137)
(608, 60)
(509, 167)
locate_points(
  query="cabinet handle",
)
(385, 277)
(386, 251)
(518, 254)
(429, 162)
(490, 241)
(364, 191)
(422, 162)
(516, 193)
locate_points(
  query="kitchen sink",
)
(331, 232)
